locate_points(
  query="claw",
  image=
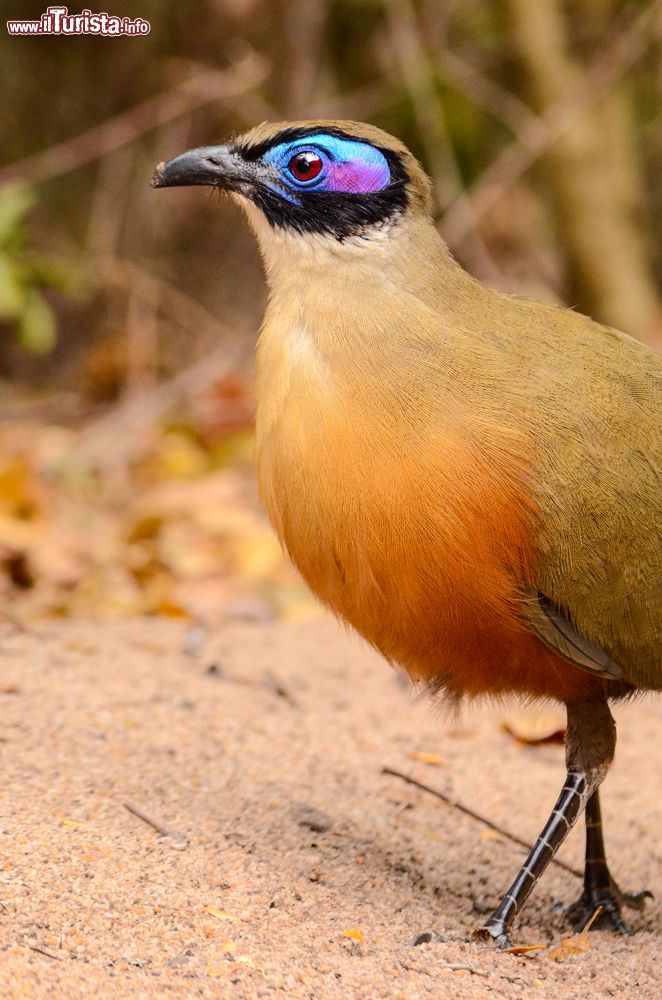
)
(636, 900)
(612, 900)
(493, 932)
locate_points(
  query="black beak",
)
(215, 166)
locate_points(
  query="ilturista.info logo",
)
(58, 21)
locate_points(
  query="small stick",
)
(458, 967)
(453, 967)
(42, 951)
(477, 816)
(178, 841)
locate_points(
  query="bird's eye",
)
(305, 166)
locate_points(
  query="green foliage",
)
(22, 305)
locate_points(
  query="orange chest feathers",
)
(417, 531)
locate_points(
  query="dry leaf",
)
(534, 726)
(66, 821)
(248, 961)
(575, 945)
(221, 914)
(181, 529)
(523, 949)
(434, 759)
(229, 948)
(355, 934)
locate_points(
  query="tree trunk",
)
(593, 170)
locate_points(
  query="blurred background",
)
(128, 317)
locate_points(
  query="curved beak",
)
(216, 166)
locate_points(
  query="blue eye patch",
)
(325, 162)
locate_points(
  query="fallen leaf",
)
(576, 944)
(535, 726)
(523, 949)
(169, 609)
(434, 759)
(221, 914)
(355, 934)
(229, 948)
(248, 961)
(66, 821)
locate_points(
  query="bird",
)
(471, 479)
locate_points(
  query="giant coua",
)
(470, 479)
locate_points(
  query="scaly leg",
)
(589, 751)
(599, 887)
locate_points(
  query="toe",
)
(493, 932)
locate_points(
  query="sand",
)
(294, 867)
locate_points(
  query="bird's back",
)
(597, 478)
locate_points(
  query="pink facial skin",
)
(357, 176)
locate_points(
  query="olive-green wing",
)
(558, 633)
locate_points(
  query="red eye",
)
(305, 166)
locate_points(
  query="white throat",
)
(287, 253)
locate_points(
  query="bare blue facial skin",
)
(347, 167)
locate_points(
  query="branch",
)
(116, 434)
(99, 141)
(625, 46)
(474, 815)
(485, 92)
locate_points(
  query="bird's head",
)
(311, 185)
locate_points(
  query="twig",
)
(477, 816)
(99, 141)
(268, 682)
(118, 429)
(178, 840)
(115, 434)
(459, 967)
(418, 76)
(617, 54)
(485, 92)
(42, 951)
(180, 307)
(451, 966)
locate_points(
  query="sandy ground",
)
(263, 751)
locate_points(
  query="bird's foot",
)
(612, 900)
(493, 930)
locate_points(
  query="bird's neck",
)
(354, 325)
(304, 270)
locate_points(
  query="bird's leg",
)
(599, 887)
(589, 751)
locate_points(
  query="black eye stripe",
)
(333, 213)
